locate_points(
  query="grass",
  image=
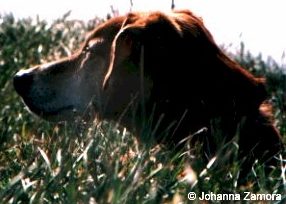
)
(102, 164)
(43, 162)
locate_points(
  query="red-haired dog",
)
(161, 66)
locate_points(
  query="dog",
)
(156, 68)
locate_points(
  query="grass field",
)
(42, 162)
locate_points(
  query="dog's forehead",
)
(107, 30)
(111, 27)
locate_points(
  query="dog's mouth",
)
(55, 114)
(69, 113)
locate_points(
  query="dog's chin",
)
(62, 113)
(66, 113)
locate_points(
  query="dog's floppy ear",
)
(159, 34)
(123, 44)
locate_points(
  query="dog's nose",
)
(22, 81)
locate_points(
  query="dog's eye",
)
(93, 46)
(86, 49)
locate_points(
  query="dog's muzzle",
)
(22, 82)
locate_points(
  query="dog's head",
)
(65, 89)
(131, 59)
